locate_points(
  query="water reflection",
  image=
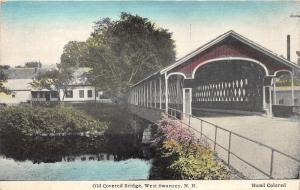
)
(68, 149)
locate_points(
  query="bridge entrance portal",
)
(229, 85)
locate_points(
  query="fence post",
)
(201, 128)
(215, 143)
(229, 148)
(271, 164)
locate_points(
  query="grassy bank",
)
(26, 120)
(179, 155)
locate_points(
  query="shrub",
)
(26, 120)
(182, 156)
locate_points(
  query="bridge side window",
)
(296, 101)
(281, 101)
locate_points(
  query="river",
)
(117, 155)
(71, 158)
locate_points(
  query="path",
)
(279, 133)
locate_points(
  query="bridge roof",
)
(221, 38)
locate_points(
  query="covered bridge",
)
(228, 74)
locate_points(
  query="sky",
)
(38, 30)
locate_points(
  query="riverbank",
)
(180, 155)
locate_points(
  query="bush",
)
(182, 156)
(26, 120)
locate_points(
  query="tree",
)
(124, 51)
(70, 60)
(4, 67)
(74, 54)
(33, 64)
(3, 78)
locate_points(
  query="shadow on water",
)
(58, 149)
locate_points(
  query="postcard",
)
(149, 94)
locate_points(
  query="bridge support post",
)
(147, 95)
(150, 94)
(144, 94)
(292, 81)
(160, 93)
(166, 93)
(274, 92)
(270, 102)
(155, 93)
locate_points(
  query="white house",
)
(18, 83)
(20, 91)
(79, 90)
(19, 79)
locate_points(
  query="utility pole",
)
(190, 32)
(297, 52)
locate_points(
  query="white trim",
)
(282, 70)
(176, 73)
(160, 93)
(183, 100)
(166, 94)
(196, 52)
(230, 58)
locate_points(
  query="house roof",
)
(18, 84)
(24, 73)
(80, 76)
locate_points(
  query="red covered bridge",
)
(228, 74)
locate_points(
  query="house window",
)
(54, 94)
(34, 94)
(81, 93)
(296, 101)
(41, 95)
(281, 101)
(90, 93)
(69, 94)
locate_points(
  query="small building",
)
(79, 90)
(20, 92)
(18, 82)
(283, 95)
(19, 79)
(44, 95)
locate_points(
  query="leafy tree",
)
(74, 54)
(63, 77)
(124, 51)
(3, 78)
(4, 67)
(33, 64)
